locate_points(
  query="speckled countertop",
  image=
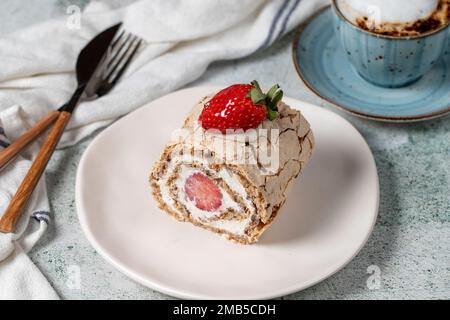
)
(410, 245)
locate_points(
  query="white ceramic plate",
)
(325, 222)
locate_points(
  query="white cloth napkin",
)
(19, 277)
(37, 75)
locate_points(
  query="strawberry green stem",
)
(269, 99)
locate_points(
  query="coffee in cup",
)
(397, 17)
(392, 43)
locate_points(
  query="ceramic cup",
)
(389, 61)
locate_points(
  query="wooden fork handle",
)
(20, 199)
(30, 135)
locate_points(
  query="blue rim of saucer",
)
(323, 67)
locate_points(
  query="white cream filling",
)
(232, 226)
(162, 183)
(234, 185)
(165, 195)
(196, 213)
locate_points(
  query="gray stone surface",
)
(411, 241)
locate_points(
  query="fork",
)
(111, 67)
(106, 84)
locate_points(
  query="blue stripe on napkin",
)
(4, 144)
(286, 19)
(280, 11)
(42, 216)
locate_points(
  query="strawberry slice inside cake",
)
(203, 192)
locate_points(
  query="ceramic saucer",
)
(323, 66)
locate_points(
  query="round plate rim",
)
(156, 285)
(365, 115)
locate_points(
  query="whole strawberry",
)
(240, 106)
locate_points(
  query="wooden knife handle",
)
(20, 199)
(17, 146)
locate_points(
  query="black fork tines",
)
(131, 51)
(117, 39)
(122, 52)
(117, 48)
(119, 58)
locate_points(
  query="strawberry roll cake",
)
(231, 166)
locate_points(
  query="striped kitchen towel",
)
(19, 277)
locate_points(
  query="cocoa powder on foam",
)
(439, 18)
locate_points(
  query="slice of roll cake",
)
(231, 166)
